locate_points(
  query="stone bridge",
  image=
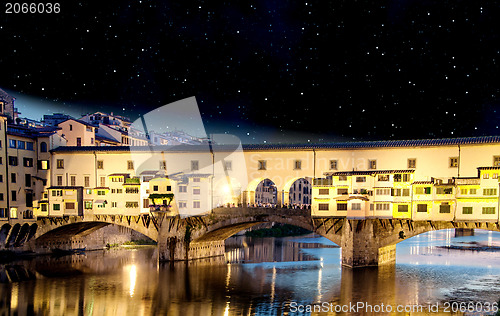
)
(364, 242)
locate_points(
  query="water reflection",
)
(264, 276)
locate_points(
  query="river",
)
(264, 276)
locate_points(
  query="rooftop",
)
(308, 146)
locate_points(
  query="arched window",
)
(43, 147)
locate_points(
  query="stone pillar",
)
(175, 244)
(360, 246)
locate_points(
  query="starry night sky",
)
(275, 71)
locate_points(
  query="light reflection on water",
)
(263, 277)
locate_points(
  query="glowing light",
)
(133, 278)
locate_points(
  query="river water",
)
(264, 276)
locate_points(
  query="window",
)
(1, 177)
(29, 145)
(1, 196)
(356, 206)
(88, 191)
(494, 176)
(100, 164)
(13, 177)
(333, 164)
(21, 144)
(397, 177)
(472, 191)
(444, 207)
(102, 181)
(383, 177)
(486, 176)
(385, 191)
(489, 210)
(12, 143)
(56, 192)
(422, 208)
(360, 179)
(382, 206)
(163, 165)
(3, 212)
(342, 191)
(196, 179)
(60, 164)
(323, 206)
(196, 191)
(342, 178)
(130, 165)
(463, 191)
(489, 191)
(412, 163)
(341, 206)
(13, 161)
(13, 212)
(324, 191)
(496, 161)
(132, 190)
(59, 180)
(86, 181)
(262, 165)
(406, 177)
(114, 204)
(131, 204)
(182, 204)
(396, 192)
(423, 190)
(44, 207)
(145, 203)
(101, 192)
(372, 164)
(228, 165)
(43, 164)
(406, 192)
(28, 162)
(13, 196)
(403, 208)
(43, 147)
(169, 188)
(72, 180)
(196, 204)
(70, 127)
(194, 165)
(444, 190)
(87, 205)
(27, 179)
(467, 210)
(182, 189)
(297, 165)
(70, 205)
(453, 162)
(155, 188)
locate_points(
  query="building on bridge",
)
(395, 194)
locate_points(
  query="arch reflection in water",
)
(121, 282)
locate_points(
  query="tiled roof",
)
(488, 168)
(368, 172)
(381, 143)
(339, 145)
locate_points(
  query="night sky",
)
(274, 71)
